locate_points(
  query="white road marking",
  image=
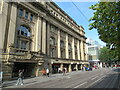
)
(94, 78)
(68, 77)
(80, 85)
(95, 81)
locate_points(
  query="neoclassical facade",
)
(38, 35)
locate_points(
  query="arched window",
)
(23, 30)
(22, 42)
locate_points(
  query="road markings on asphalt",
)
(80, 85)
(94, 78)
(68, 77)
(95, 82)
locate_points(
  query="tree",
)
(107, 55)
(103, 54)
(106, 20)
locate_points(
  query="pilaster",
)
(67, 55)
(58, 44)
(76, 67)
(70, 68)
(38, 35)
(61, 66)
(78, 49)
(44, 36)
(73, 48)
(48, 39)
(82, 51)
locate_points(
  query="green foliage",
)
(106, 55)
(106, 20)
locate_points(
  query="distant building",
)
(93, 48)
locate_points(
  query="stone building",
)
(37, 35)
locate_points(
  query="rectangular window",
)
(26, 15)
(31, 17)
(21, 12)
(51, 52)
(23, 44)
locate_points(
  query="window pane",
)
(62, 44)
(21, 12)
(24, 31)
(31, 17)
(26, 15)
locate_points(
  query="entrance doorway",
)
(73, 67)
(55, 68)
(66, 66)
(29, 69)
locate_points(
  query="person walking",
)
(47, 72)
(20, 78)
(59, 70)
(44, 72)
(64, 71)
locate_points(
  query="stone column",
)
(82, 51)
(70, 68)
(85, 51)
(76, 67)
(67, 55)
(1, 6)
(61, 66)
(73, 48)
(81, 66)
(12, 24)
(38, 35)
(58, 43)
(78, 49)
(48, 38)
(44, 37)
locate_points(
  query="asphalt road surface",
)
(99, 78)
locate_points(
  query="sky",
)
(79, 18)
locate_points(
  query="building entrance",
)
(66, 66)
(55, 68)
(29, 69)
(73, 67)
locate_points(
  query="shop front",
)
(28, 68)
(55, 68)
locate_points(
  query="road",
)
(100, 78)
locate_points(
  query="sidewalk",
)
(12, 84)
(29, 81)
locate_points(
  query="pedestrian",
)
(84, 68)
(59, 70)
(20, 78)
(64, 71)
(43, 72)
(116, 65)
(47, 72)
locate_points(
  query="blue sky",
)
(74, 13)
